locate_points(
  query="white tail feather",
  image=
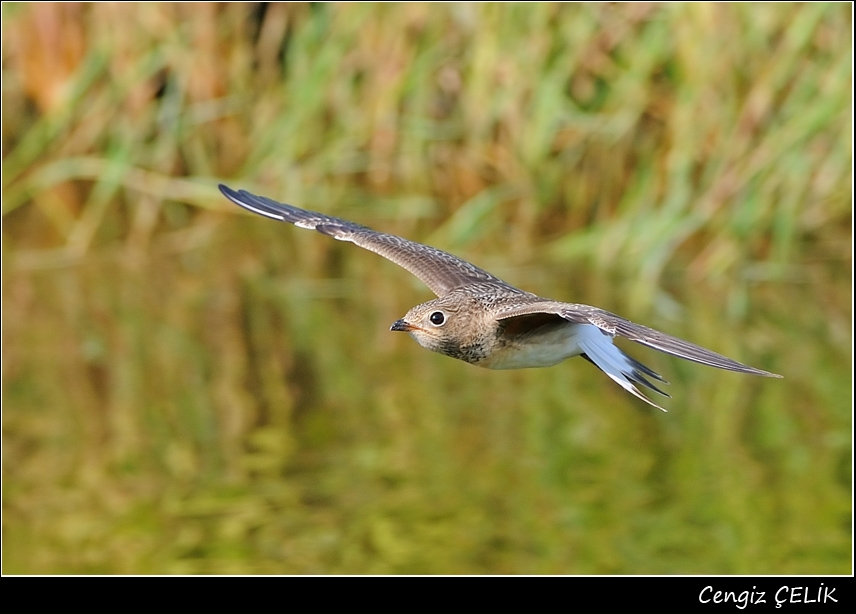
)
(600, 349)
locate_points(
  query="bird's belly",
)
(539, 350)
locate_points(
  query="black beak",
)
(401, 325)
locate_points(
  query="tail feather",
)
(621, 368)
(645, 370)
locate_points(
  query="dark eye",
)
(437, 318)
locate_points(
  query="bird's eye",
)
(437, 318)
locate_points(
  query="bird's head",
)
(449, 325)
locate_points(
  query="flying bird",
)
(482, 320)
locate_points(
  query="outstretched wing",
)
(612, 325)
(440, 271)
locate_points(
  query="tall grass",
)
(187, 390)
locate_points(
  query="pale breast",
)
(542, 347)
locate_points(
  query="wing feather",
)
(616, 325)
(440, 271)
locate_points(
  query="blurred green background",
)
(188, 389)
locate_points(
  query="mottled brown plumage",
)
(480, 319)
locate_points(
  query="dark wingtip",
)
(256, 204)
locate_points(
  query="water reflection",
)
(271, 423)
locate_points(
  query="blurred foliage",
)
(190, 391)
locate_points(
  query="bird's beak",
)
(401, 325)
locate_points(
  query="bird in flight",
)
(480, 319)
